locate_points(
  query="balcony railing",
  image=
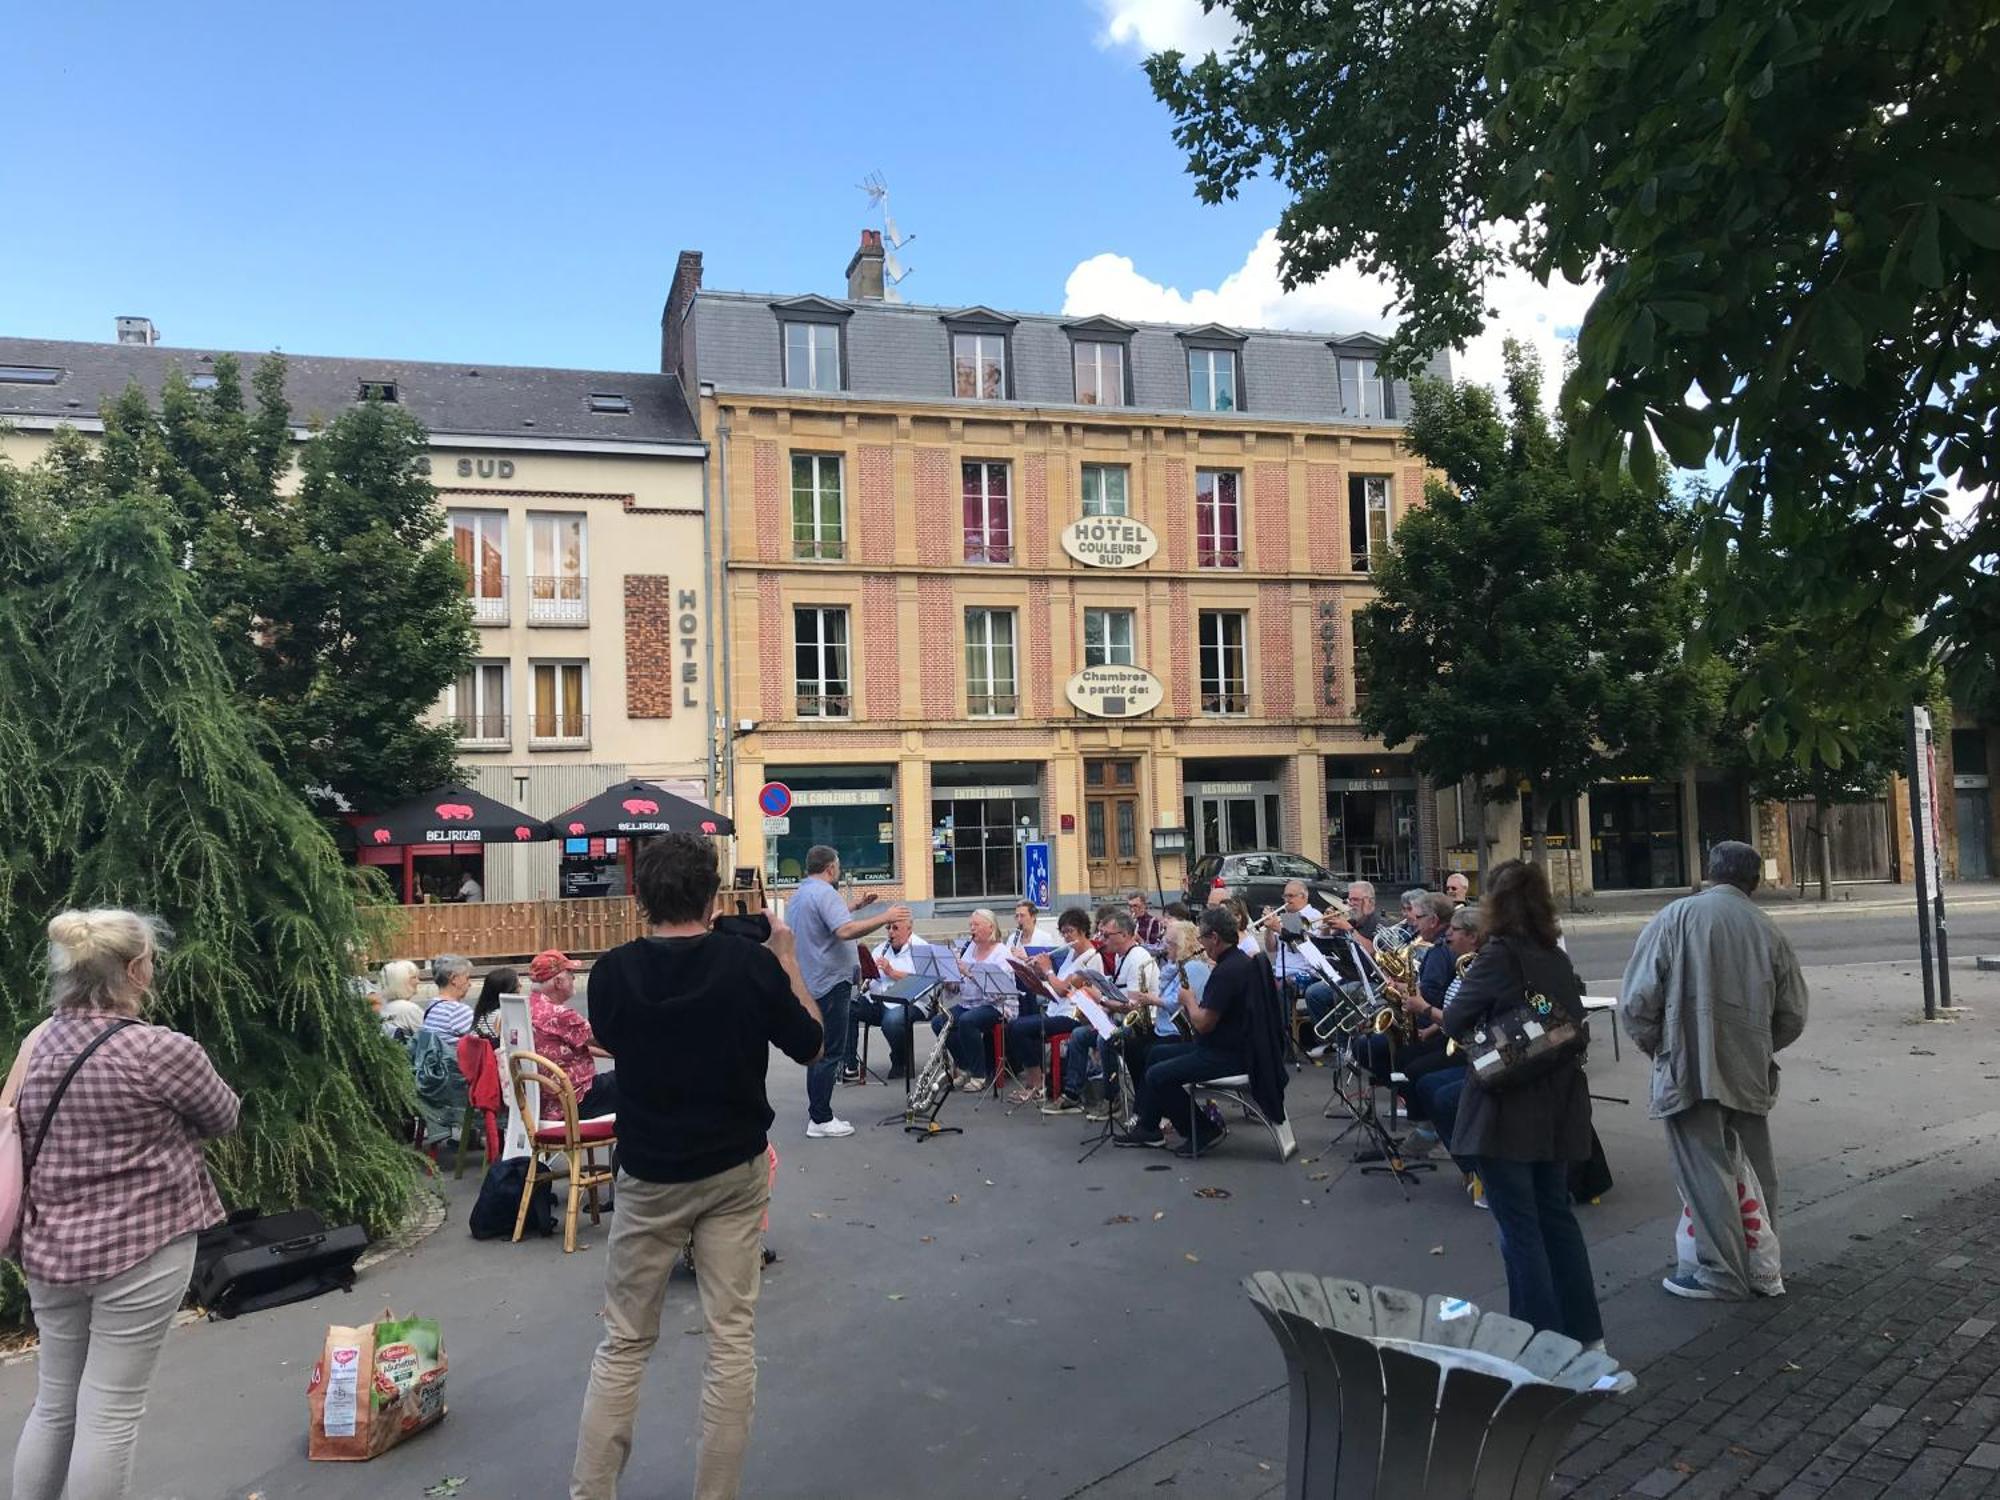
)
(1231, 701)
(562, 600)
(992, 705)
(816, 705)
(819, 548)
(1206, 556)
(488, 607)
(564, 729)
(979, 549)
(491, 730)
(1362, 562)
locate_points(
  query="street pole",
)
(1937, 868)
(1918, 738)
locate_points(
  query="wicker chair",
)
(577, 1141)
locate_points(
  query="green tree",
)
(339, 606)
(162, 800)
(1791, 212)
(1529, 625)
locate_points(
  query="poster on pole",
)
(1035, 874)
(1923, 791)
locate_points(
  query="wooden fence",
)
(495, 931)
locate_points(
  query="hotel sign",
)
(1109, 541)
(1115, 692)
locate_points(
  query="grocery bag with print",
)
(1760, 1236)
(374, 1386)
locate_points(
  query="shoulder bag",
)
(16, 1164)
(1528, 1040)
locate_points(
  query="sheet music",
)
(994, 980)
(1307, 956)
(938, 962)
(1093, 1013)
(1104, 984)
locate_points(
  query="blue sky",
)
(511, 183)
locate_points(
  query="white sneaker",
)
(819, 1130)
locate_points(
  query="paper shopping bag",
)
(374, 1386)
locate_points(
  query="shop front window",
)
(981, 815)
(849, 808)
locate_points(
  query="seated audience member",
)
(565, 1039)
(1026, 1035)
(486, 1010)
(402, 1017)
(449, 1015)
(894, 959)
(1221, 1022)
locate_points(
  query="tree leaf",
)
(1925, 264)
(1977, 221)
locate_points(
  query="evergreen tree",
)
(1528, 627)
(161, 800)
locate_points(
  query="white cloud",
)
(1345, 300)
(1149, 26)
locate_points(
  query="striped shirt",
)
(448, 1018)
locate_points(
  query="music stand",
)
(912, 993)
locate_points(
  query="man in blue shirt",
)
(825, 928)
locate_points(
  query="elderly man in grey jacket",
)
(1712, 993)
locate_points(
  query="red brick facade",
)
(774, 532)
(774, 642)
(1273, 661)
(649, 646)
(1033, 523)
(1180, 618)
(880, 688)
(1174, 517)
(1326, 519)
(940, 517)
(943, 623)
(1271, 518)
(1041, 671)
(874, 504)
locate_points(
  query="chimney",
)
(141, 330)
(675, 345)
(864, 271)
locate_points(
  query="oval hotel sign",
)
(1109, 541)
(1115, 692)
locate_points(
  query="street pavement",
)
(983, 1315)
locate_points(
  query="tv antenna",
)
(893, 269)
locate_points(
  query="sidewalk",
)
(1872, 897)
(1878, 1374)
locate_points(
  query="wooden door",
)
(1111, 831)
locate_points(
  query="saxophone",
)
(931, 1085)
(1399, 966)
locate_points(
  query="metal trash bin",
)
(1412, 1398)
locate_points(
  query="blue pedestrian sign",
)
(1035, 874)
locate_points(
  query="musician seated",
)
(1298, 903)
(1435, 1081)
(1381, 1053)
(1136, 972)
(895, 958)
(1151, 927)
(971, 1047)
(1028, 933)
(1027, 1034)
(1220, 1020)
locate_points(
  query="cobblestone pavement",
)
(1879, 1374)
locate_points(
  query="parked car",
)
(1258, 877)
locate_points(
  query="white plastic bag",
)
(1760, 1236)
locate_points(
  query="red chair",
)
(578, 1141)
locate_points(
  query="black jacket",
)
(1548, 1118)
(1264, 1048)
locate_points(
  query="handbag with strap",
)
(16, 1164)
(1530, 1039)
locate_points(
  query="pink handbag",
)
(12, 1177)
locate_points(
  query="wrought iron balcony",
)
(488, 607)
(823, 705)
(1231, 701)
(992, 705)
(565, 730)
(491, 731)
(558, 600)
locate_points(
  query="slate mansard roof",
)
(503, 404)
(903, 351)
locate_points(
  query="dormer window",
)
(979, 354)
(611, 403)
(379, 390)
(812, 343)
(1100, 353)
(1362, 392)
(1215, 368)
(202, 380)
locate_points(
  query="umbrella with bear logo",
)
(451, 815)
(632, 809)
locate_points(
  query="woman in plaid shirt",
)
(114, 1199)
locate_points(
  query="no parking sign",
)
(775, 800)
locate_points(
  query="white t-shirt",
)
(903, 958)
(1018, 942)
(1072, 964)
(470, 890)
(1138, 971)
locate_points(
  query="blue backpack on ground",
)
(499, 1201)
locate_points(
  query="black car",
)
(1258, 878)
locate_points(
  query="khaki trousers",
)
(652, 1222)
